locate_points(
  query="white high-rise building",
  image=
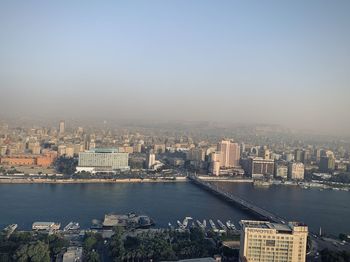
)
(150, 160)
(61, 129)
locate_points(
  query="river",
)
(167, 202)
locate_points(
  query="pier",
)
(237, 201)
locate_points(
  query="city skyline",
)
(233, 62)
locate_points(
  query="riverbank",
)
(87, 181)
(32, 180)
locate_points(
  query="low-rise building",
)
(73, 254)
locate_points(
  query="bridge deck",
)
(258, 211)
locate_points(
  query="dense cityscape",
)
(191, 131)
(67, 154)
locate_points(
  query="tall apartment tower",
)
(296, 171)
(61, 128)
(150, 159)
(266, 241)
(229, 152)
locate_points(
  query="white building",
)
(103, 160)
(150, 160)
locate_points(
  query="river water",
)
(167, 202)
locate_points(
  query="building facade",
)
(102, 160)
(229, 153)
(296, 171)
(259, 167)
(62, 127)
(150, 160)
(266, 241)
(281, 171)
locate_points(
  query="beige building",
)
(159, 148)
(196, 154)
(296, 171)
(230, 153)
(271, 242)
(36, 149)
(215, 163)
(61, 150)
(281, 171)
(70, 151)
(61, 128)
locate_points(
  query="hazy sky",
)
(279, 62)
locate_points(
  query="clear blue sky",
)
(283, 62)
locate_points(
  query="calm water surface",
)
(167, 202)
(328, 209)
(164, 202)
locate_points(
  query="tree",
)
(66, 165)
(56, 244)
(116, 244)
(89, 243)
(36, 252)
(93, 256)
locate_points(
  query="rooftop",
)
(105, 150)
(269, 225)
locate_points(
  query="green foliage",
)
(22, 245)
(35, 252)
(93, 257)
(57, 244)
(92, 243)
(66, 165)
(167, 245)
(116, 245)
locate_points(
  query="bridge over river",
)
(237, 201)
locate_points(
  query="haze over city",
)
(178, 130)
(237, 62)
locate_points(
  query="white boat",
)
(185, 222)
(71, 226)
(179, 224)
(203, 224)
(11, 228)
(222, 225)
(230, 225)
(213, 226)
